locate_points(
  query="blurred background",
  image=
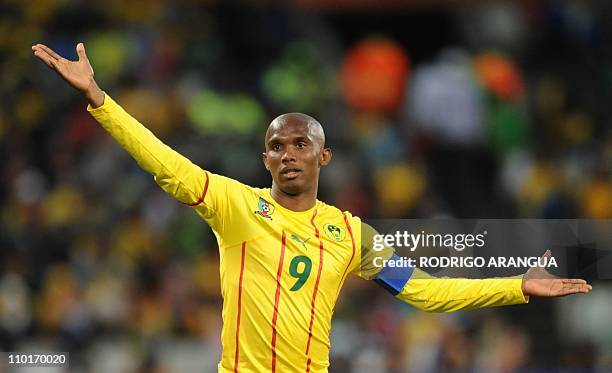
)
(470, 109)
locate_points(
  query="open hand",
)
(78, 74)
(539, 282)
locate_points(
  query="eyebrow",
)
(276, 138)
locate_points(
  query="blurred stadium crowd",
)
(500, 109)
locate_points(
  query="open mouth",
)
(291, 173)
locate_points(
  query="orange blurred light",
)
(373, 76)
(499, 75)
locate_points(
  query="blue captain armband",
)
(393, 279)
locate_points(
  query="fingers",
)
(45, 57)
(573, 281)
(48, 50)
(574, 286)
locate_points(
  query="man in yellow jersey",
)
(284, 255)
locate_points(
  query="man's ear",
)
(325, 157)
(265, 161)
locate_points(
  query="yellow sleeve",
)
(433, 294)
(430, 293)
(369, 257)
(174, 173)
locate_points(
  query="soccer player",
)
(284, 255)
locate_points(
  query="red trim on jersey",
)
(201, 199)
(314, 294)
(348, 226)
(276, 301)
(239, 307)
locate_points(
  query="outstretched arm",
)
(173, 172)
(452, 294)
(434, 294)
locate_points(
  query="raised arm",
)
(434, 294)
(174, 173)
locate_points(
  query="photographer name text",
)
(467, 262)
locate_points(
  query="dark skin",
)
(295, 153)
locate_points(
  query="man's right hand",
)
(78, 74)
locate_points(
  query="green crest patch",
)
(333, 232)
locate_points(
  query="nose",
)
(288, 155)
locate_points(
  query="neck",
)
(299, 202)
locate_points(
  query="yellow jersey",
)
(282, 270)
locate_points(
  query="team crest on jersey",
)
(333, 232)
(264, 209)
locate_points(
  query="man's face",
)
(294, 153)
